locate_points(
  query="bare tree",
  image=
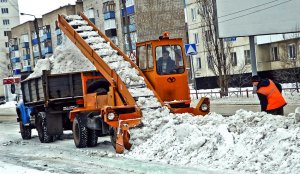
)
(240, 77)
(216, 50)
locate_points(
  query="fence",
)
(236, 93)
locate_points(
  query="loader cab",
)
(163, 63)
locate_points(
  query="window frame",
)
(294, 51)
(247, 56)
(233, 57)
(275, 55)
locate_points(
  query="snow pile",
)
(42, 64)
(67, 58)
(11, 168)
(247, 141)
(9, 108)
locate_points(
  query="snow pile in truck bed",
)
(247, 141)
(67, 58)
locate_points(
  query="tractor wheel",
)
(25, 131)
(113, 136)
(80, 132)
(92, 138)
(42, 128)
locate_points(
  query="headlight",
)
(204, 107)
(111, 116)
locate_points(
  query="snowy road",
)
(30, 156)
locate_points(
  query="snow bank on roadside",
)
(9, 108)
(247, 141)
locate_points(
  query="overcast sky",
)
(40, 7)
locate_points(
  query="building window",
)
(205, 10)
(5, 21)
(199, 63)
(6, 44)
(247, 57)
(233, 59)
(194, 13)
(4, 10)
(6, 33)
(292, 51)
(274, 51)
(210, 62)
(196, 38)
(208, 36)
(3, 1)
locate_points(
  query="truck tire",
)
(80, 132)
(42, 128)
(92, 138)
(113, 136)
(25, 131)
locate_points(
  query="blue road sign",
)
(190, 49)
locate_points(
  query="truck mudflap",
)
(54, 124)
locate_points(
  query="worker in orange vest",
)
(269, 94)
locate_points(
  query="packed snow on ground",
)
(10, 168)
(9, 108)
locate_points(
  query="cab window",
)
(150, 57)
(142, 55)
(169, 60)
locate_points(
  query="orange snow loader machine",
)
(107, 107)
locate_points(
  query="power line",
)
(254, 12)
(248, 9)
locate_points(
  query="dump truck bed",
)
(51, 88)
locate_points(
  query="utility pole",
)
(36, 28)
(126, 23)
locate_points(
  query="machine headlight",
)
(111, 116)
(204, 107)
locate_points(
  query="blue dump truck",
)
(45, 104)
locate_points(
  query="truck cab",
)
(164, 64)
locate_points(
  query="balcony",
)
(25, 44)
(13, 48)
(109, 15)
(47, 50)
(47, 36)
(17, 71)
(58, 32)
(36, 54)
(15, 59)
(132, 28)
(129, 10)
(27, 68)
(35, 41)
(26, 57)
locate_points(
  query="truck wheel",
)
(92, 138)
(42, 128)
(25, 131)
(113, 136)
(80, 132)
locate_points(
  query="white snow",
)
(245, 142)
(9, 108)
(42, 64)
(7, 168)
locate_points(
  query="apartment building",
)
(274, 56)
(9, 17)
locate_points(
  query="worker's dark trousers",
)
(278, 111)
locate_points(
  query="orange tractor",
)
(110, 105)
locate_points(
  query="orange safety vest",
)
(274, 97)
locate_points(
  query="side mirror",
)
(13, 88)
